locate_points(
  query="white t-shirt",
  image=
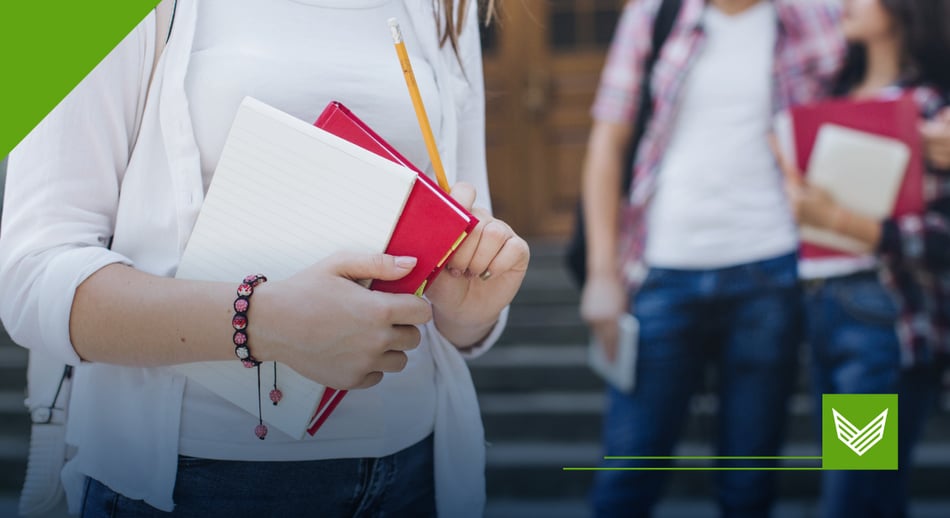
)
(298, 56)
(719, 199)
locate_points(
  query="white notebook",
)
(285, 194)
(861, 171)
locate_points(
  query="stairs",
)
(542, 407)
(14, 420)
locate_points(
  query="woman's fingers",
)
(391, 361)
(936, 135)
(368, 381)
(459, 263)
(404, 338)
(514, 255)
(465, 194)
(402, 309)
(493, 237)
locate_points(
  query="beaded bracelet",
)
(239, 322)
(241, 304)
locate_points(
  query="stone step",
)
(531, 367)
(520, 368)
(547, 251)
(578, 508)
(547, 286)
(577, 416)
(14, 418)
(13, 452)
(681, 508)
(544, 324)
(533, 470)
(12, 365)
(547, 281)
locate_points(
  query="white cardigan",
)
(117, 160)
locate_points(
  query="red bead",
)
(260, 431)
(239, 322)
(241, 305)
(276, 395)
(244, 290)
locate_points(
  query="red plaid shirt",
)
(915, 252)
(808, 53)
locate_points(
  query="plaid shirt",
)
(915, 253)
(808, 53)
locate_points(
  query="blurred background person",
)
(887, 333)
(710, 271)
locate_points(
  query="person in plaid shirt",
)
(897, 47)
(711, 268)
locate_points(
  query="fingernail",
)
(454, 272)
(405, 262)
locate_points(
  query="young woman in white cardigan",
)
(100, 201)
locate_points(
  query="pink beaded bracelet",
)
(241, 349)
(241, 304)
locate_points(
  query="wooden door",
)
(542, 64)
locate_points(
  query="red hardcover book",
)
(431, 227)
(895, 118)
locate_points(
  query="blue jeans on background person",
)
(850, 322)
(747, 320)
(397, 485)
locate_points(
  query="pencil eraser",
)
(394, 27)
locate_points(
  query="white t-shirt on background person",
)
(719, 199)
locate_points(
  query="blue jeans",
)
(745, 319)
(855, 350)
(398, 485)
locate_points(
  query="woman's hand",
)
(815, 207)
(603, 301)
(480, 279)
(936, 135)
(329, 328)
(810, 205)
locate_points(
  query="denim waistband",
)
(864, 275)
(777, 272)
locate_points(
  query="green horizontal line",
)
(712, 458)
(696, 468)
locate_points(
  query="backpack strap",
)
(164, 21)
(662, 27)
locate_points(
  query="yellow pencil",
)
(417, 104)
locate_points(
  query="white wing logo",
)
(860, 441)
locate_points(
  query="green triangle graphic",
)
(47, 47)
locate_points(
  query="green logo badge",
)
(859, 431)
